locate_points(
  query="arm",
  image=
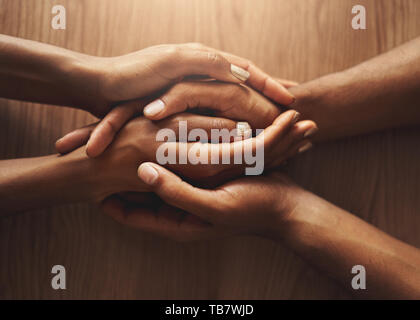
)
(225, 100)
(38, 72)
(36, 182)
(381, 93)
(330, 238)
(334, 241)
(44, 181)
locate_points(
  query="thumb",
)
(176, 192)
(109, 126)
(74, 139)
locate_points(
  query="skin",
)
(274, 207)
(75, 177)
(360, 100)
(381, 93)
(37, 72)
(224, 100)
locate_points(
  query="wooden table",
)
(376, 176)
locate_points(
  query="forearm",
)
(334, 241)
(39, 182)
(38, 72)
(381, 93)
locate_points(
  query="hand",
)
(225, 100)
(115, 170)
(256, 205)
(142, 73)
(136, 143)
(147, 212)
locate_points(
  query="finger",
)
(197, 127)
(176, 192)
(300, 147)
(210, 63)
(225, 100)
(268, 86)
(167, 221)
(257, 79)
(287, 83)
(74, 139)
(296, 138)
(270, 138)
(109, 126)
(218, 157)
(280, 127)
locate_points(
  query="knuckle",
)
(112, 126)
(175, 197)
(183, 94)
(173, 51)
(218, 124)
(214, 57)
(250, 64)
(178, 90)
(233, 92)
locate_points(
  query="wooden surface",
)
(376, 177)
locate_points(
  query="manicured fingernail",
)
(310, 132)
(296, 117)
(305, 147)
(148, 174)
(239, 73)
(154, 108)
(243, 129)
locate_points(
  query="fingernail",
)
(154, 108)
(292, 98)
(243, 129)
(239, 73)
(310, 132)
(305, 147)
(148, 174)
(296, 117)
(285, 94)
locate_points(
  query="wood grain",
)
(376, 176)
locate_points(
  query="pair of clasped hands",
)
(160, 86)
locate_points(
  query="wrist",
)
(83, 175)
(84, 76)
(302, 208)
(323, 101)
